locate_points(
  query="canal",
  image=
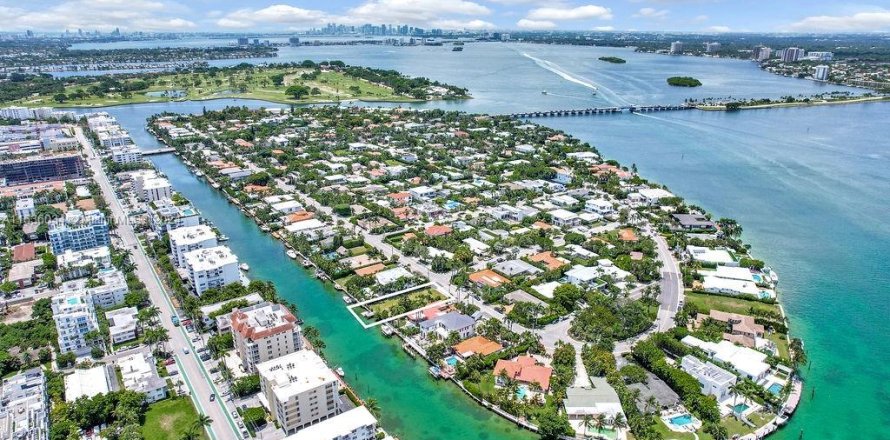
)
(413, 407)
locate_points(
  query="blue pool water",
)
(757, 278)
(775, 388)
(740, 408)
(682, 420)
(521, 392)
(451, 360)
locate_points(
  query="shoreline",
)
(718, 108)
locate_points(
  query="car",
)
(234, 413)
(196, 339)
(169, 361)
(212, 397)
(240, 424)
(185, 350)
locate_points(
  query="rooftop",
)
(262, 320)
(295, 373)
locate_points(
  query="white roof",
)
(709, 255)
(156, 182)
(287, 205)
(562, 214)
(210, 258)
(546, 289)
(717, 284)
(734, 273)
(305, 225)
(295, 373)
(188, 235)
(340, 426)
(391, 275)
(655, 193)
(583, 273)
(747, 361)
(86, 383)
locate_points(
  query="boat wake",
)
(568, 76)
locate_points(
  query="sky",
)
(592, 15)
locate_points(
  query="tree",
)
(600, 422)
(60, 97)
(551, 426)
(373, 406)
(586, 423)
(202, 421)
(619, 422)
(297, 92)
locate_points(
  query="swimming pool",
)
(451, 360)
(740, 408)
(775, 388)
(682, 420)
(521, 392)
(757, 278)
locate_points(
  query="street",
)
(192, 371)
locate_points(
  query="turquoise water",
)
(521, 392)
(809, 185)
(451, 360)
(775, 389)
(740, 408)
(683, 420)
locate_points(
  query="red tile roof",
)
(23, 252)
(524, 369)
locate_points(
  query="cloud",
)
(700, 18)
(473, 25)
(719, 29)
(862, 21)
(579, 13)
(102, 15)
(651, 13)
(274, 14)
(535, 24)
(604, 28)
(418, 12)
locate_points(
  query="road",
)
(192, 371)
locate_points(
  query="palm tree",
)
(600, 422)
(202, 421)
(586, 423)
(373, 406)
(735, 389)
(619, 422)
(191, 434)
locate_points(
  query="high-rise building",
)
(792, 54)
(75, 316)
(712, 47)
(78, 230)
(299, 390)
(761, 53)
(211, 267)
(243, 41)
(677, 47)
(156, 188)
(822, 73)
(165, 215)
(820, 56)
(24, 414)
(41, 168)
(126, 154)
(355, 424)
(190, 238)
(263, 332)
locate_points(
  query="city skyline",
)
(707, 16)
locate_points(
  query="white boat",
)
(387, 330)
(543, 92)
(340, 372)
(290, 253)
(199, 173)
(244, 266)
(223, 237)
(215, 185)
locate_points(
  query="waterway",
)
(810, 186)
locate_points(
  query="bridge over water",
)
(603, 111)
(158, 151)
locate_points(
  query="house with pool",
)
(524, 370)
(600, 398)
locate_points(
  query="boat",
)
(199, 173)
(387, 330)
(223, 237)
(408, 350)
(347, 299)
(457, 49)
(340, 372)
(264, 228)
(244, 266)
(543, 92)
(306, 263)
(435, 371)
(291, 254)
(215, 185)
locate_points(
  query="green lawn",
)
(169, 419)
(727, 304)
(415, 299)
(781, 342)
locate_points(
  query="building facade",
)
(75, 316)
(264, 332)
(211, 267)
(299, 390)
(78, 230)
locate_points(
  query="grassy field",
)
(727, 303)
(169, 419)
(416, 299)
(236, 83)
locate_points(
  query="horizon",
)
(686, 16)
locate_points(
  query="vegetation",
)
(613, 60)
(683, 81)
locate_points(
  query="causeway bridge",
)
(603, 111)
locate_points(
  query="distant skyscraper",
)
(822, 73)
(761, 53)
(820, 56)
(792, 54)
(677, 47)
(294, 41)
(712, 47)
(243, 41)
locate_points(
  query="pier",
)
(603, 111)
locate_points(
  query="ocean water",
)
(811, 186)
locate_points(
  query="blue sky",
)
(280, 16)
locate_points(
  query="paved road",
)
(192, 371)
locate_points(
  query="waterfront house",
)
(714, 380)
(525, 370)
(694, 222)
(443, 325)
(489, 278)
(583, 402)
(477, 345)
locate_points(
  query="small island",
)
(683, 81)
(613, 60)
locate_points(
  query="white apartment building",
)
(122, 324)
(24, 208)
(126, 154)
(190, 238)
(263, 332)
(355, 424)
(140, 373)
(139, 178)
(24, 414)
(298, 390)
(88, 383)
(76, 264)
(75, 317)
(108, 289)
(165, 215)
(599, 206)
(211, 267)
(156, 189)
(714, 380)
